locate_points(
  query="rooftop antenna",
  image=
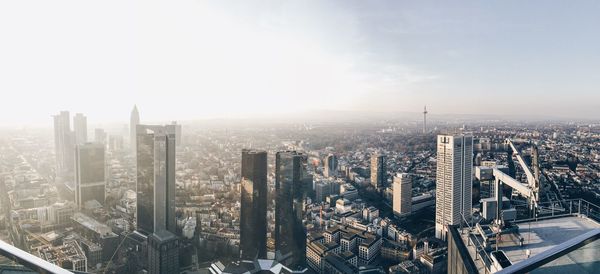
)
(425, 119)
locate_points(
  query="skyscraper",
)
(155, 151)
(253, 219)
(80, 128)
(290, 236)
(177, 132)
(63, 144)
(134, 120)
(89, 173)
(402, 198)
(331, 165)
(163, 252)
(378, 173)
(453, 181)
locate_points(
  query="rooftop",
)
(538, 236)
(92, 224)
(164, 235)
(546, 234)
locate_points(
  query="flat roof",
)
(544, 235)
(538, 236)
(93, 224)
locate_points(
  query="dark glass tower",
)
(89, 173)
(378, 173)
(253, 219)
(163, 253)
(290, 236)
(155, 152)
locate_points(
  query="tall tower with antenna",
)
(425, 120)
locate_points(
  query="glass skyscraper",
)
(290, 235)
(64, 142)
(80, 128)
(89, 173)
(163, 252)
(253, 219)
(155, 153)
(331, 166)
(378, 171)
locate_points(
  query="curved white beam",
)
(30, 261)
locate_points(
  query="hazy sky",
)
(204, 59)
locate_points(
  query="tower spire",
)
(425, 119)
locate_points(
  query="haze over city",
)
(299, 137)
(236, 59)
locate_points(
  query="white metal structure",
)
(30, 261)
(531, 190)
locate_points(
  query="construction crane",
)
(116, 251)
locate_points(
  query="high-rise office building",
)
(253, 217)
(64, 144)
(155, 153)
(134, 120)
(378, 173)
(331, 166)
(80, 128)
(163, 252)
(89, 174)
(177, 132)
(290, 235)
(453, 181)
(322, 190)
(402, 198)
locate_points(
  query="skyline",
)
(299, 136)
(205, 60)
(351, 222)
(318, 116)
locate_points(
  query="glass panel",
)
(585, 259)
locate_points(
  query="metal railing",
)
(546, 210)
(572, 207)
(29, 261)
(480, 253)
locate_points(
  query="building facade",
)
(163, 253)
(90, 180)
(253, 217)
(290, 235)
(330, 166)
(453, 181)
(155, 156)
(80, 128)
(356, 247)
(402, 198)
(378, 171)
(64, 144)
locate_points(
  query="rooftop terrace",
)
(538, 236)
(556, 242)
